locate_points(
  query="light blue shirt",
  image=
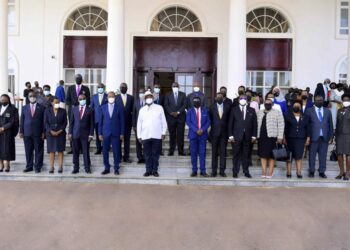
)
(110, 109)
(317, 112)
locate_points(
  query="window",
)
(176, 19)
(87, 18)
(342, 18)
(91, 77)
(267, 20)
(13, 16)
(262, 81)
(342, 71)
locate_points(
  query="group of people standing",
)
(298, 120)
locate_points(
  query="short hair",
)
(223, 87)
(8, 97)
(61, 82)
(27, 83)
(47, 87)
(346, 95)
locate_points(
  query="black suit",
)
(159, 100)
(135, 115)
(228, 101)
(243, 130)
(320, 91)
(128, 108)
(219, 135)
(176, 125)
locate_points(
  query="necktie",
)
(110, 108)
(100, 99)
(32, 110)
(243, 113)
(175, 98)
(198, 120)
(320, 117)
(220, 112)
(78, 90)
(81, 112)
(124, 100)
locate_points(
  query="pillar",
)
(3, 47)
(348, 73)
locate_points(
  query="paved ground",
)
(101, 216)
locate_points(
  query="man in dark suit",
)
(158, 99)
(241, 91)
(26, 92)
(138, 104)
(81, 132)
(32, 132)
(242, 131)
(320, 134)
(126, 101)
(111, 132)
(175, 105)
(97, 101)
(73, 93)
(198, 122)
(196, 93)
(227, 101)
(322, 90)
(219, 114)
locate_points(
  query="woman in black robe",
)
(9, 124)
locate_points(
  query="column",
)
(3, 47)
(348, 74)
(115, 45)
(237, 47)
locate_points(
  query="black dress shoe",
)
(37, 171)
(205, 175)
(170, 154)
(346, 178)
(141, 161)
(127, 160)
(51, 171)
(75, 171)
(7, 170)
(182, 154)
(147, 174)
(70, 152)
(27, 170)
(105, 172)
(300, 176)
(116, 172)
(289, 176)
(223, 175)
(235, 175)
(98, 152)
(323, 175)
(339, 177)
(1, 170)
(155, 174)
(311, 175)
(248, 175)
(88, 171)
(213, 175)
(193, 174)
(60, 171)
(161, 153)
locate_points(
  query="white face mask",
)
(243, 102)
(346, 104)
(157, 90)
(47, 92)
(175, 89)
(32, 99)
(141, 95)
(111, 100)
(56, 106)
(149, 101)
(196, 89)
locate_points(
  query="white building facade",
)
(218, 43)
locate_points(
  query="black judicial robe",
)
(9, 120)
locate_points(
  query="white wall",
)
(316, 48)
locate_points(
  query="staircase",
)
(173, 170)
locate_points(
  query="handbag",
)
(280, 153)
(333, 156)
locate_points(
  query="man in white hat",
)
(151, 129)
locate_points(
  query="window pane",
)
(270, 78)
(11, 16)
(69, 76)
(285, 79)
(257, 78)
(344, 31)
(344, 18)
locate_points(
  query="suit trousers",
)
(126, 143)
(139, 152)
(34, 148)
(198, 148)
(176, 132)
(152, 153)
(219, 145)
(241, 155)
(98, 142)
(319, 147)
(115, 142)
(81, 144)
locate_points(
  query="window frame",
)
(14, 31)
(338, 20)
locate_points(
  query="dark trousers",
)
(126, 143)
(198, 148)
(34, 148)
(81, 144)
(176, 132)
(241, 154)
(152, 151)
(98, 142)
(219, 145)
(115, 142)
(139, 152)
(319, 147)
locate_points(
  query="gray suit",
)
(320, 134)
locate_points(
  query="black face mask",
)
(296, 109)
(268, 106)
(224, 94)
(241, 92)
(4, 104)
(277, 94)
(78, 80)
(196, 104)
(249, 98)
(304, 97)
(319, 104)
(220, 100)
(123, 90)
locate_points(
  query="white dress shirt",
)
(3, 109)
(243, 108)
(151, 123)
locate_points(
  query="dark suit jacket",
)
(191, 121)
(315, 124)
(95, 105)
(294, 128)
(135, 113)
(112, 126)
(219, 126)
(343, 122)
(159, 100)
(72, 98)
(55, 123)
(189, 103)
(127, 109)
(170, 106)
(32, 126)
(228, 101)
(319, 91)
(237, 126)
(84, 127)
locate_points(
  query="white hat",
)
(147, 94)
